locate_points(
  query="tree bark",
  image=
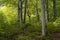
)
(37, 14)
(47, 11)
(43, 18)
(54, 10)
(25, 11)
(20, 11)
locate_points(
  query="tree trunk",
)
(43, 19)
(25, 11)
(47, 12)
(20, 11)
(37, 14)
(54, 10)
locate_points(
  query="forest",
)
(29, 19)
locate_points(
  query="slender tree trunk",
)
(43, 18)
(54, 10)
(25, 11)
(20, 11)
(29, 15)
(37, 14)
(47, 12)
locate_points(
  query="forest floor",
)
(55, 36)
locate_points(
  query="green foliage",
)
(9, 21)
(10, 3)
(53, 26)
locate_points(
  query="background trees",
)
(54, 9)
(37, 16)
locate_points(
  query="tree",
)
(43, 19)
(37, 14)
(25, 11)
(47, 11)
(29, 15)
(54, 10)
(20, 11)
